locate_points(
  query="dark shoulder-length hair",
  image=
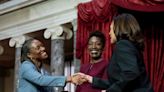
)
(25, 50)
(127, 27)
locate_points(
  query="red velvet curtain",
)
(154, 56)
(141, 5)
(97, 15)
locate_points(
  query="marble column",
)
(57, 34)
(17, 42)
(75, 65)
(76, 62)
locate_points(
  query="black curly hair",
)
(99, 35)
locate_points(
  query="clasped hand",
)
(80, 78)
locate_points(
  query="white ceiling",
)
(11, 5)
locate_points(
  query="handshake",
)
(80, 78)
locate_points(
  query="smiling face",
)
(95, 47)
(37, 50)
(112, 35)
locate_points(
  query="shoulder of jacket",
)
(27, 63)
(125, 43)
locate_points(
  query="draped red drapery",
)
(154, 56)
(141, 5)
(97, 15)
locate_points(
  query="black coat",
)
(126, 71)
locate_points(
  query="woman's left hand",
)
(87, 77)
(103, 91)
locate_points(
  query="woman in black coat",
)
(126, 70)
